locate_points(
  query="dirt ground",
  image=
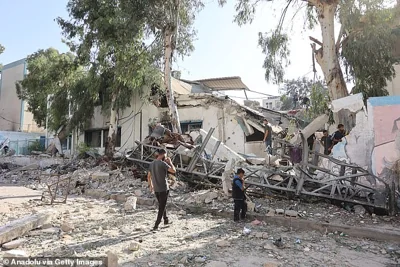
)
(91, 227)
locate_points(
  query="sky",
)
(222, 48)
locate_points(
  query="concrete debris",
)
(134, 246)
(256, 222)
(67, 227)
(223, 243)
(15, 254)
(112, 259)
(216, 264)
(100, 175)
(291, 213)
(20, 227)
(359, 210)
(14, 244)
(130, 204)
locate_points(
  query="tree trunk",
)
(327, 56)
(112, 130)
(168, 35)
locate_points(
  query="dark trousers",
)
(162, 198)
(240, 209)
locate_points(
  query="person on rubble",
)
(338, 135)
(310, 142)
(267, 137)
(326, 142)
(239, 197)
(157, 178)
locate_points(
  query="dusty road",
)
(89, 227)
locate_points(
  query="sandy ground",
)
(96, 227)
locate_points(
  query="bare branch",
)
(315, 40)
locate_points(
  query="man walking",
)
(267, 137)
(239, 198)
(157, 178)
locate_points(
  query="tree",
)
(55, 74)
(1, 51)
(364, 44)
(108, 38)
(173, 21)
(112, 36)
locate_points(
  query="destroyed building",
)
(199, 106)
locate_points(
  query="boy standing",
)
(239, 198)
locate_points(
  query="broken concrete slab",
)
(100, 175)
(96, 193)
(22, 226)
(112, 259)
(15, 254)
(314, 126)
(14, 244)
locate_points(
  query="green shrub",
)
(35, 146)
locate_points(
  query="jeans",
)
(240, 209)
(162, 204)
(268, 146)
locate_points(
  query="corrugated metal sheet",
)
(224, 83)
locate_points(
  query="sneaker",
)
(167, 222)
(155, 229)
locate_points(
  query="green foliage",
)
(1, 51)
(55, 74)
(319, 98)
(35, 146)
(287, 103)
(82, 148)
(364, 46)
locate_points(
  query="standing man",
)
(326, 142)
(239, 198)
(267, 137)
(157, 178)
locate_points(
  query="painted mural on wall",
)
(385, 114)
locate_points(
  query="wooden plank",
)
(22, 226)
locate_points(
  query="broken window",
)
(93, 137)
(256, 136)
(187, 127)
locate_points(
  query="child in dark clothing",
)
(238, 196)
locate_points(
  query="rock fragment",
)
(130, 204)
(14, 244)
(67, 227)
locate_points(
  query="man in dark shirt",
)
(310, 142)
(338, 135)
(157, 178)
(326, 142)
(267, 137)
(239, 198)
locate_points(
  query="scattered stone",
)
(134, 246)
(270, 213)
(145, 201)
(200, 259)
(250, 206)
(359, 210)
(223, 243)
(47, 226)
(265, 236)
(15, 253)
(67, 237)
(138, 193)
(112, 259)
(112, 210)
(126, 230)
(100, 175)
(259, 235)
(14, 244)
(182, 212)
(306, 249)
(89, 205)
(291, 213)
(271, 264)
(210, 196)
(279, 211)
(184, 259)
(216, 264)
(268, 246)
(256, 222)
(67, 227)
(100, 231)
(130, 204)
(383, 251)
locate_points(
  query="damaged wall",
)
(384, 113)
